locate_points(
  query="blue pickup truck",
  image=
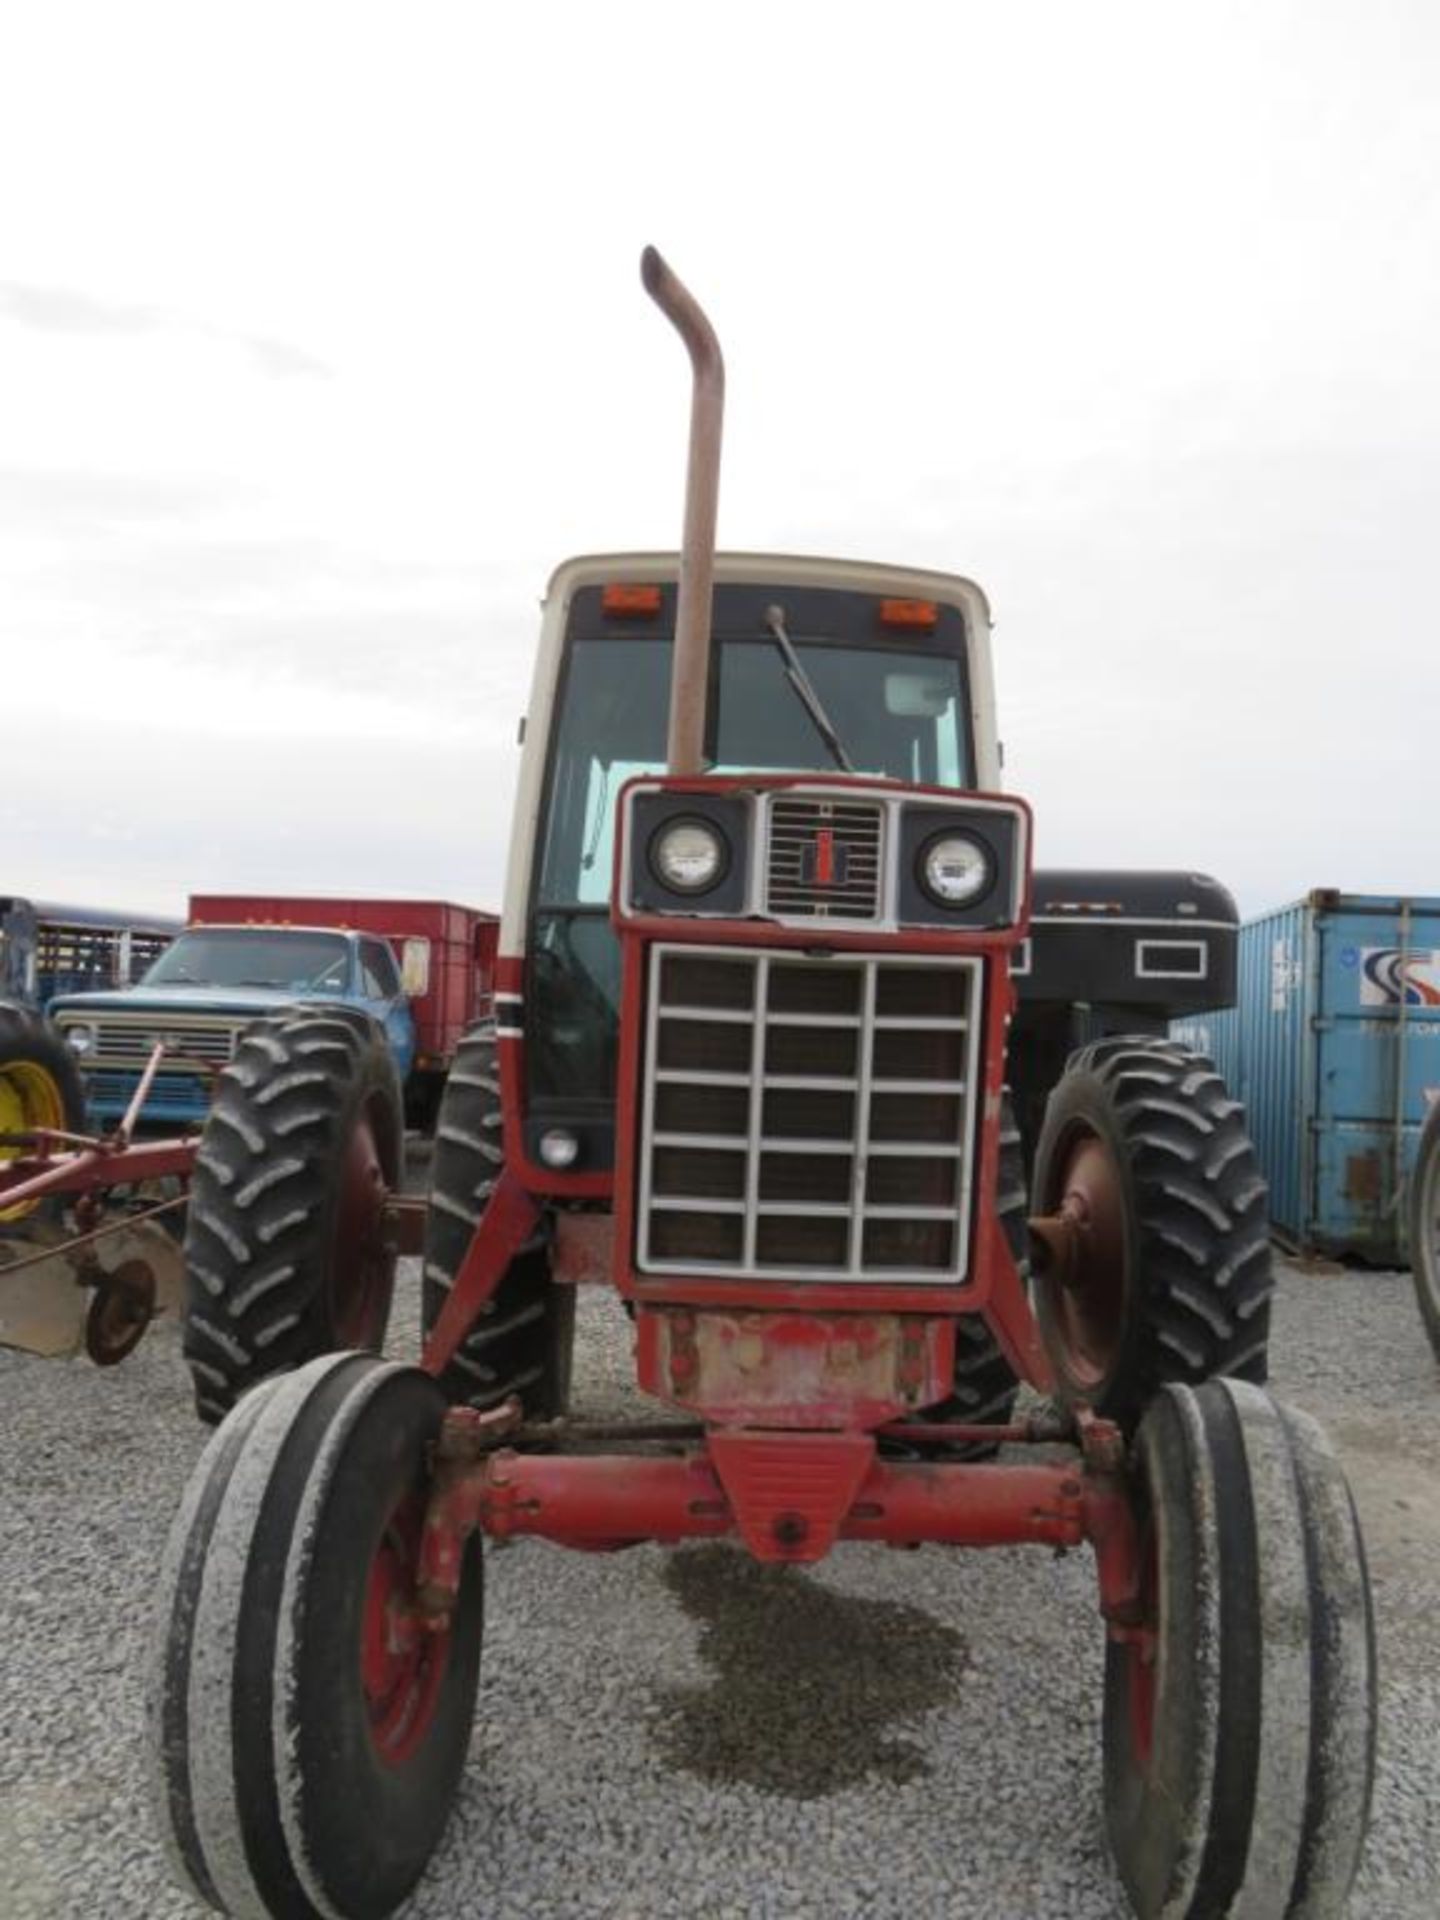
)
(201, 994)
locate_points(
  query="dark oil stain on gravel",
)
(807, 1681)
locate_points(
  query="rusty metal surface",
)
(689, 668)
(794, 1369)
(582, 1250)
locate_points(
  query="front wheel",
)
(1425, 1226)
(307, 1731)
(1239, 1723)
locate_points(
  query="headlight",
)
(80, 1040)
(559, 1148)
(954, 869)
(689, 856)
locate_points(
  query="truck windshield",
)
(295, 961)
(898, 713)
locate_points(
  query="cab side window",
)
(378, 970)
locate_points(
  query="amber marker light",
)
(918, 615)
(621, 601)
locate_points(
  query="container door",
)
(1376, 1062)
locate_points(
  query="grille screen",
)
(823, 859)
(808, 1117)
(119, 1040)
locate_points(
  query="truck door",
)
(385, 999)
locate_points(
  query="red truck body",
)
(461, 959)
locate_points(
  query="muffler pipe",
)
(690, 667)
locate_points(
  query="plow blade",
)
(50, 1291)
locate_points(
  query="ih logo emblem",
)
(824, 861)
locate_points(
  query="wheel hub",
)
(1089, 1300)
(402, 1658)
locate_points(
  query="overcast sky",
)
(322, 341)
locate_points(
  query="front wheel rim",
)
(402, 1659)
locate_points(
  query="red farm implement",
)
(754, 998)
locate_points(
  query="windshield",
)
(897, 712)
(254, 957)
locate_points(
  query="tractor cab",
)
(823, 668)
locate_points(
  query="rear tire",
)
(306, 1742)
(1239, 1759)
(1425, 1226)
(523, 1342)
(286, 1254)
(1143, 1146)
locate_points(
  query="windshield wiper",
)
(805, 689)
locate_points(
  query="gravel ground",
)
(685, 1733)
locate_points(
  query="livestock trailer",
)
(1334, 1047)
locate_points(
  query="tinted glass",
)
(254, 957)
(897, 712)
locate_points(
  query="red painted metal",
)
(617, 1499)
(581, 1253)
(94, 1167)
(462, 949)
(509, 1219)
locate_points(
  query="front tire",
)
(306, 1740)
(286, 1252)
(1239, 1743)
(1149, 1157)
(1425, 1226)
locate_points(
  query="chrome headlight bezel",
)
(703, 835)
(961, 850)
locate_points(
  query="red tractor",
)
(748, 1066)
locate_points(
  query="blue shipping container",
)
(1334, 1047)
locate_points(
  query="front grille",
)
(126, 1041)
(823, 858)
(808, 1117)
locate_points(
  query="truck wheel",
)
(1148, 1156)
(286, 1254)
(306, 1732)
(1239, 1725)
(40, 1086)
(1425, 1225)
(522, 1344)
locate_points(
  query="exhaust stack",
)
(689, 673)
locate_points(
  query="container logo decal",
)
(1390, 977)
